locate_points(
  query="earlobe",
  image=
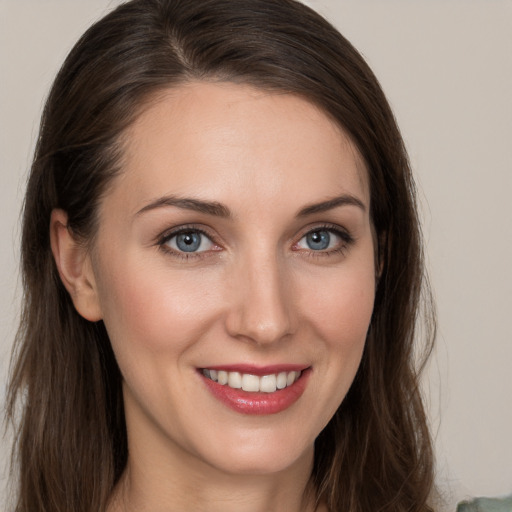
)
(74, 266)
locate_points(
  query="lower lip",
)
(258, 403)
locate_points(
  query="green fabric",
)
(486, 505)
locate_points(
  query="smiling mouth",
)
(257, 390)
(253, 383)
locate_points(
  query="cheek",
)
(338, 311)
(145, 309)
(341, 309)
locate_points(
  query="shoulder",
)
(486, 505)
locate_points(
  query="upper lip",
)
(259, 370)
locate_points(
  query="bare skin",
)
(283, 272)
(229, 493)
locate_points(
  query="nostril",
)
(261, 310)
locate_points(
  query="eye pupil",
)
(188, 242)
(318, 240)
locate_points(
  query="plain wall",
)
(446, 66)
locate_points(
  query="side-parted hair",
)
(65, 395)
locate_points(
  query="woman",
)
(222, 268)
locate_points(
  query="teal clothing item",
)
(486, 505)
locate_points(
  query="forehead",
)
(223, 139)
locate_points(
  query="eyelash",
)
(164, 239)
(346, 240)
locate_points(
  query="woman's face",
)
(235, 245)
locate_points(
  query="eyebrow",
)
(343, 200)
(219, 210)
(209, 207)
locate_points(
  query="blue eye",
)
(189, 241)
(320, 240)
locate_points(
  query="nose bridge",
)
(261, 310)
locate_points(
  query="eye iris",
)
(188, 242)
(318, 240)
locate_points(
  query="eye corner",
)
(188, 242)
(323, 241)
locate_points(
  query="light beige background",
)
(447, 69)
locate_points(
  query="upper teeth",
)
(248, 382)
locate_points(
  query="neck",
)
(166, 473)
(182, 483)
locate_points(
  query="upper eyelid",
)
(347, 240)
(345, 233)
(163, 239)
(171, 232)
(166, 235)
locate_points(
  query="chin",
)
(262, 453)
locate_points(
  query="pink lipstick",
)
(257, 390)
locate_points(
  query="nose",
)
(260, 308)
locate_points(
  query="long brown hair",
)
(71, 446)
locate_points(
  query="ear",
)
(379, 244)
(74, 265)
